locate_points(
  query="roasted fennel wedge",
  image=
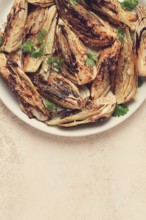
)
(100, 105)
(37, 29)
(112, 10)
(93, 112)
(30, 100)
(95, 109)
(49, 50)
(75, 56)
(63, 92)
(106, 71)
(126, 83)
(91, 29)
(141, 41)
(15, 27)
(42, 3)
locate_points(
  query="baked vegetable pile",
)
(73, 62)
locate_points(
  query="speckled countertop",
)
(44, 177)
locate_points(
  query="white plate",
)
(10, 101)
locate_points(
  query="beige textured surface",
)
(43, 177)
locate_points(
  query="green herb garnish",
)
(35, 50)
(50, 105)
(120, 34)
(38, 52)
(74, 2)
(1, 41)
(41, 36)
(27, 47)
(120, 110)
(56, 62)
(92, 58)
(132, 36)
(129, 4)
(140, 82)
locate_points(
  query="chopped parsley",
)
(74, 2)
(92, 58)
(27, 47)
(120, 34)
(41, 36)
(35, 50)
(1, 41)
(50, 105)
(140, 82)
(132, 36)
(129, 4)
(56, 63)
(38, 52)
(120, 110)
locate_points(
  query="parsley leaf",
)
(74, 2)
(120, 34)
(56, 62)
(1, 41)
(92, 58)
(41, 35)
(132, 36)
(140, 82)
(35, 50)
(27, 47)
(50, 105)
(129, 4)
(120, 110)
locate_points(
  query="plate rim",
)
(90, 130)
(59, 132)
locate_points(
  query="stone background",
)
(44, 177)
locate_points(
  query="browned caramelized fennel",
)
(39, 19)
(99, 107)
(73, 62)
(91, 29)
(74, 54)
(112, 10)
(30, 100)
(62, 91)
(107, 70)
(141, 41)
(14, 30)
(126, 83)
(42, 3)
